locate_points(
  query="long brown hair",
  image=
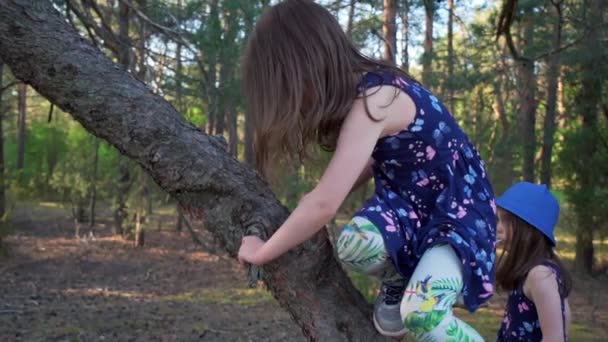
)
(527, 248)
(300, 74)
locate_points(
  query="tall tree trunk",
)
(178, 80)
(527, 93)
(142, 70)
(389, 30)
(351, 18)
(124, 177)
(214, 33)
(124, 54)
(502, 165)
(2, 183)
(450, 75)
(427, 55)
(233, 135)
(249, 152)
(179, 222)
(588, 101)
(21, 124)
(405, 33)
(192, 167)
(93, 191)
(550, 115)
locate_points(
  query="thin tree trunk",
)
(450, 75)
(233, 141)
(212, 91)
(389, 30)
(142, 71)
(139, 228)
(124, 177)
(178, 80)
(2, 184)
(550, 115)
(21, 124)
(180, 108)
(179, 223)
(124, 54)
(589, 99)
(527, 93)
(192, 167)
(427, 55)
(405, 33)
(94, 185)
(351, 18)
(502, 165)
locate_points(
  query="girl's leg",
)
(361, 248)
(431, 293)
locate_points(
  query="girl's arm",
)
(542, 288)
(365, 175)
(356, 141)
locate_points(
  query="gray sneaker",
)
(387, 316)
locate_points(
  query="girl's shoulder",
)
(544, 276)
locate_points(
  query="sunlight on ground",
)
(236, 296)
(106, 292)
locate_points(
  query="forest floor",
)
(55, 287)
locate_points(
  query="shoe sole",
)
(383, 332)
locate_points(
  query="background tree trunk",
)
(45, 52)
(427, 55)
(405, 26)
(21, 124)
(2, 186)
(589, 99)
(389, 30)
(527, 111)
(552, 81)
(450, 62)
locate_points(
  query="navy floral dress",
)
(520, 322)
(431, 188)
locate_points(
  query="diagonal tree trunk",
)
(44, 51)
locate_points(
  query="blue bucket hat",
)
(534, 204)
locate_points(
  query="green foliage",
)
(590, 201)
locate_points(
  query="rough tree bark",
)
(45, 52)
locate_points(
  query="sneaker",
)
(387, 316)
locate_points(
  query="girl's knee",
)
(360, 246)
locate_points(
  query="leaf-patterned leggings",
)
(426, 307)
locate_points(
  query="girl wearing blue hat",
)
(538, 283)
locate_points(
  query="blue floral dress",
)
(520, 322)
(431, 188)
